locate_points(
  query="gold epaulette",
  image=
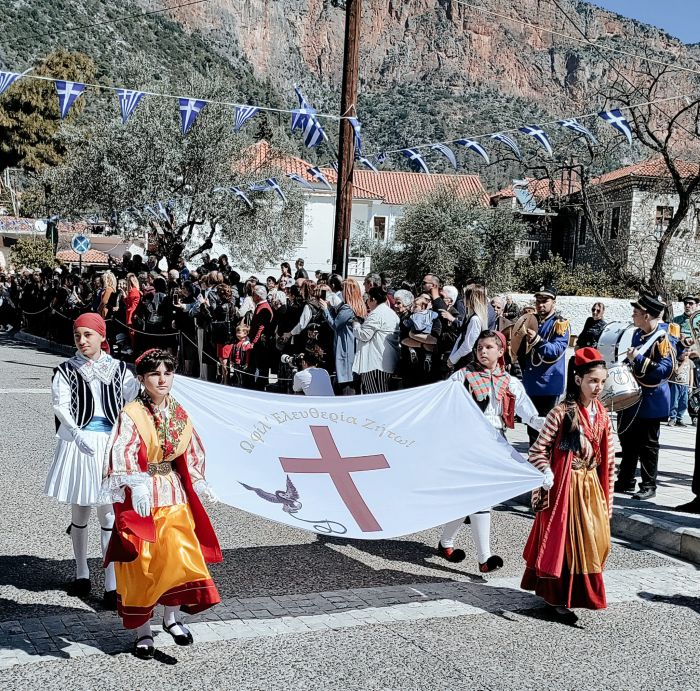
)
(664, 347)
(561, 326)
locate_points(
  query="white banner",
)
(370, 467)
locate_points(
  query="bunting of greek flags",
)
(190, 108)
(616, 119)
(575, 126)
(297, 178)
(416, 160)
(7, 79)
(508, 142)
(128, 100)
(316, 174)
(475, 147)
(380, 158)
(356, 127)
(304, 119)
(446, 152)
(242, 196)
(367, 163)
(270, 185)
(540, 135)
(243, 114)
(67, 92)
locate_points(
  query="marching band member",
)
(88, 391)
(570, 538)
(163, 537)
(500, 397)
(544, 366)
(639, 426)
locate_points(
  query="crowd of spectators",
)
(264, 332)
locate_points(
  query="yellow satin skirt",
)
(588, 526)
(169, 571)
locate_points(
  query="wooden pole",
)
(346, 145)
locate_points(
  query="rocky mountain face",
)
(445, 43)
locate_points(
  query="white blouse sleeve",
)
(524, 407)
(304, 320)
(131, 387)
(467, 343)
(60, 397)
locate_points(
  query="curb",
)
(665, 536)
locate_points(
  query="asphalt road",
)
(647, 638)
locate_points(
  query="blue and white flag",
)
(575, 126)
(162, 212)
(509, 142)
(7, 79)
(540, 135)
(316, 174)
(380, 158)
(446, 152)
(269, 185)
(334, 165)
(617, 120)
(475, 147)
(300, 180)
(367, 163)
(242, 196)
(190, 108)
(356, 127)
(128, 100)
(304, 119)
(416, 160)
(243, 114)
(67, 92)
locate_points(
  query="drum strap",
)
(647, 346)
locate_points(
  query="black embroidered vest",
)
(82, 405)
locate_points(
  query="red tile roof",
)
(651, 168)
(387, 186)
(90, 257)
(15, 224)
(541, 189)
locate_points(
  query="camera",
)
(292, 361)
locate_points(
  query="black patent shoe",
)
(80, 587)
(452, 555)
(180, 639)
(144, 652)
(563, 614)
(109, 600)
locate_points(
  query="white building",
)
(379, 200)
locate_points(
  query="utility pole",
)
(346, 146)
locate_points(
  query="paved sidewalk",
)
(41, 639)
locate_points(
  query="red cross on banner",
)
(339, 469)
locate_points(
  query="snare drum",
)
(615, 341)
(621, 389)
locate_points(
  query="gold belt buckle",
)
(162, 468)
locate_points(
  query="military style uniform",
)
(639, 426)
(544, 366)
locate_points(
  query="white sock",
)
(449, 532)
(80, 515)
(144, 630)
(170, 617)
(106, 516)
(481, 532)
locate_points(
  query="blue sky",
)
(679, 18)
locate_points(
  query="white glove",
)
(204, 491)
(141, 500)
(548, 481)
(81, 442)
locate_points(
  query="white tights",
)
(169, 618)
(481, 532)
(80, 515)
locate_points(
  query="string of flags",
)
(307, 120)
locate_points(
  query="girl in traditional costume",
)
(163, 538)
(570, 539)
(500, 396)
(88, 391)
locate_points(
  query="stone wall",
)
(578, 308)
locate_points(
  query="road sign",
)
(80, 244)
